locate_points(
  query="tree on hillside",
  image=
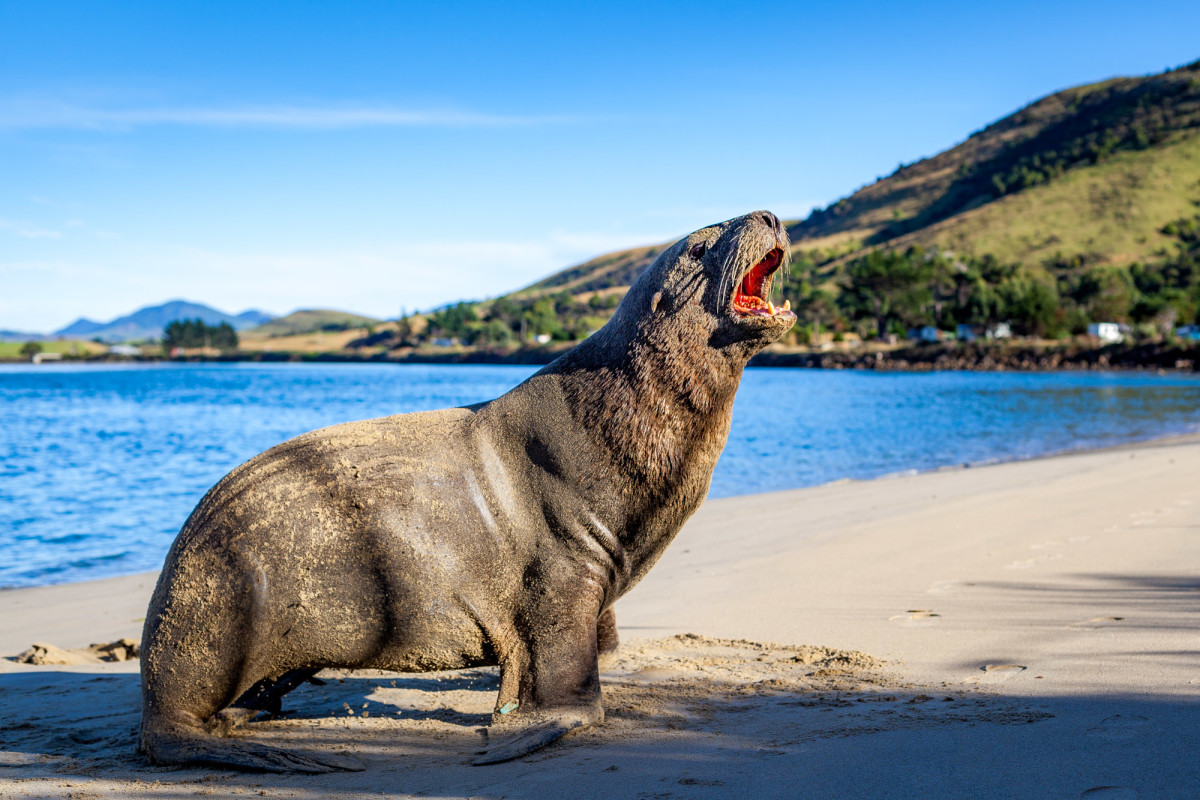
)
(888, 286)
(1108, 294)
(1171, 288)
(1031, 304)
(31, 349)
(404, 330)
(975, 300)
(816, 306)
(192, 333)
(457, 321)
(542, 318)
(497, 332)
(604, 302)
(504, 309)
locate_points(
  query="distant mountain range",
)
(145, 323)
(149, 322)
(20, 336)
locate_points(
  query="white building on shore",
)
(1107, 332)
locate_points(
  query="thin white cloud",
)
(28, 230)
(41, 114)
(378, 280)
(84, 226)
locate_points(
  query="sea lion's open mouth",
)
(750, 294)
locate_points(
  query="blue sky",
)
(374, 156)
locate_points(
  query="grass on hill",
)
(311, 342)
(1111, 213)
(1075, 129)
(68, 347)
(309, 321)
(603, 274)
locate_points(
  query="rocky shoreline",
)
(996, 358)
(1031, 357)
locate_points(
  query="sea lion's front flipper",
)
(607, 641)
(549, 678)
(503, 746)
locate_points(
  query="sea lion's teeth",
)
(771, 307)
(787, 305)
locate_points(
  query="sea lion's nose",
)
(771, 220)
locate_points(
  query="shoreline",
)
(753, 498)
(1153, 441)
(1183, 357)
(969, 619)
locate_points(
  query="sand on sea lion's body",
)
(496, 534)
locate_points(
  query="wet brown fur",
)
(500, 533)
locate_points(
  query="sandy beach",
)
(1019, 630)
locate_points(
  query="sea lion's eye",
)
(698, 250)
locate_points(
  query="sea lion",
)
(495, 534)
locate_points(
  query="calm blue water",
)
(100, 465)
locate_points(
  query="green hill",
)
(1092, 171)
(612, 271)
(1095, 172)
(1083, 206)
(1111, 213)
(311, 320)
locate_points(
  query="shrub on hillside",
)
(193, 333)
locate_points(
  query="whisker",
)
(726, 287)
(786, 268)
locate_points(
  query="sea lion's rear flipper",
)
(507, 746)
(266, 695)
(179, 745)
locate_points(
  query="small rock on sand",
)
(42, 653)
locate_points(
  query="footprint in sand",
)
(996, 673)
(1120, 726)
(12, 758)
(1050, 545)
(1033, 562)
(916, 617)
(1150, 517)
(1055, 545)
(1109, 793)
(947, 587)
(653, 675)
(1096, 623)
